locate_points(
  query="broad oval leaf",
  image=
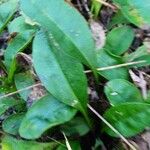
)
(105, 59)
(68, 27)
(12, 123)
(45, 114)
(129, 119)
(136, 11)
(23, 80)
(11, 143)
(121, 91)
(62, 76)
(119, 40)
(7, 11)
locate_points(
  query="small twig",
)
(57, 142)
(117, 66)
(111, 127)
(107, 4)
(67, 142)
(21, 90)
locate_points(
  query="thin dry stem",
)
(118, 66)
(111, 127)
(67, 142)
(107, 4)
(21, 90)
(57, 142)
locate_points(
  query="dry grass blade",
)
(118, 66)
(57, 142)
(67, 142)
(107, 4)
(21, 90)
(111, 127)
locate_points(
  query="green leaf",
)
(129, 119)
(119, 40)
(105, 59)
(76, 127)
(7, 11)
(121, 91)
(136, 11)
(6, 103)
(12, 123)
(23, 80)
(10, 143)
(117, 19)
(62, 76)
(66, 25)
(19, 25)
(142, 53)
(18, 44)
(43, 115)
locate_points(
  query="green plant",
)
(63, 51)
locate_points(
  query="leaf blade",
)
(114, 39)
(12, 123)
(43, 115)
(7, 11)
(121, 73)
(136, 11)
(23, 80)
(121, 91)
(67, 32)
(129, 119)
(6, 103)
(24, 36)
(11, 143)
(56, 70)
